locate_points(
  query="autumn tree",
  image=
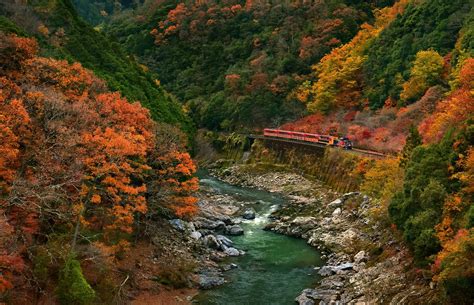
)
(339, 74)
(426, 72)
(75, 161)
(453, 110)
(173, 182)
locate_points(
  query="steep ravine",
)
(365, 262)
(274, 268)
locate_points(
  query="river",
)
(275, 268)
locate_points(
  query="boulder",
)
(249, 214)
(335, 204)
(359, 257)
(212, 242)
(325, 271)
(337, 212)
(345, 266)
(348, 195)
(204, 223)
(305, 223)
(178, 224)
(210, 280)
(224, 240)
(232, 251)
(234, 230)
(303, 298)
(196, 235)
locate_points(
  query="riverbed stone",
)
(204, 223)
(345, 266)
(232, 251)
(196, 235)
(305, 222)
(234, 230)
(178, 224)
(224, 240)
(212, 242)
(208, 280)
(337, 212)
(302, 299)
(249, 214)
(336, 203)
(325, 271)
(360, 257)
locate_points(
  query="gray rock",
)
(204, 223)
(359, 257)
(351, 194)
(337, 212)
(190, 226)
(325, 271)
(336, 203)
(249, 214)
(212, 242)
(302, 299)
(232, 251)
(196, 235)
(346, 266)
(305, 223)
(178, 224)
(210, 280)
(234, 230)
(224, 240)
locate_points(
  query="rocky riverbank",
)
(207, 235)
(365, 262)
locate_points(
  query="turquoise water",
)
(275, 268)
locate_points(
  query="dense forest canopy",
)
(234, 63)
(63, 34)
(99, 101)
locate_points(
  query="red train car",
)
(343, 142)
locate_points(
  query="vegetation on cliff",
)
(82, 173)
(62, 34)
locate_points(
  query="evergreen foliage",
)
(73, 288)
(234, 64)
(73, 39)
(413, 140)
(427, 24)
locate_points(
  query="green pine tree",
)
(413, 140)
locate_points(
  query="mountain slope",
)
(234, 63)
(63, 34)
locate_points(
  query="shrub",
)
(73, 288)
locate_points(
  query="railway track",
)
(356, 150)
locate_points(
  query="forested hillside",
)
(63, 34)
(234, 63)
(100, 99)
(391, 75)
(83, 173)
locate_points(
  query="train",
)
(342, 142)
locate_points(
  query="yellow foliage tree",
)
(381, 181)
(338, 73)
(426, 71)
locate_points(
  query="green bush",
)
(417, 209)
(73, 288)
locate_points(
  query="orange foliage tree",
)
(172, 182)
(458, 107)
(73, 155)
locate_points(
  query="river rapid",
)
(275, 267)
